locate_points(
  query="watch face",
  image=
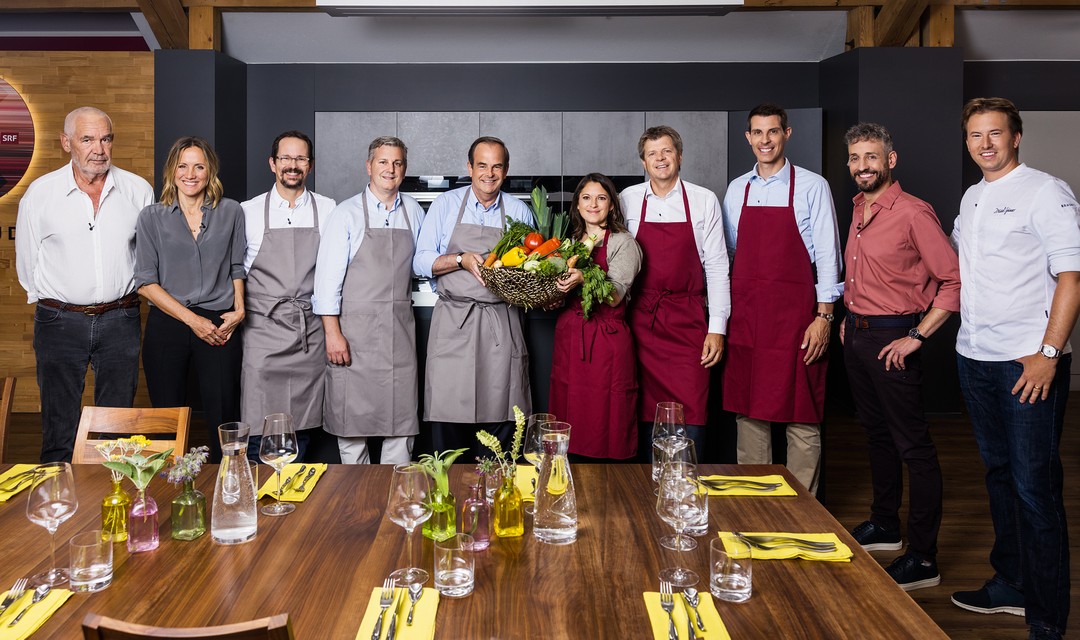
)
(1050, 351)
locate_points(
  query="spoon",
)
(415, 591)
(39, 595)
(693, 598)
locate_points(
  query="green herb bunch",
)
(438, 466)
(186, 468)
(507, 460)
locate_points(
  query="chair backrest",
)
(165, 427)
(277, 627)
(7, 401)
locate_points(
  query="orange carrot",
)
(546, 248)
(490, 260)
(571, 262)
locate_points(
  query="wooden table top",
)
(320, 563)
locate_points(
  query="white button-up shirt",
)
(281, 216)
(64, 252)
(708, 225)
(1014, 236)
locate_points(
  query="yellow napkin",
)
(34, 618)
(12, 472)
(291, 494)
(842, 553)
(423, 626)
(658, 619)
(735, 490)
(526, 474)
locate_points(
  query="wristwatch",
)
(459, 259)
(828, 317)
(1050, 351)
(915, 335)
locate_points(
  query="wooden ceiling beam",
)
(896, 21)
(204, 28)
(860, 27)
(168, 22)
(939, 28)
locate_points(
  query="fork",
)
(17, 590)
(386, 598)
(303, 483)
(14, 482)
(667, 603)
(785, 545)
(782, 539)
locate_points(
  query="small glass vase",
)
(476, 517)
(188, 513)
(114, 513)
(441, 525)
(142, 524)
(509, 512)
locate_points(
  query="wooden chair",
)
(170, 424)
(7, 400)
(277, 627)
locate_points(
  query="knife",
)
(715, 482)
(392, 629)
(303, 483)
(289, 480)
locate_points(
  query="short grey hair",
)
(388, 141)
(865, 131)
(69, 121)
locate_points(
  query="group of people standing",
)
(320, 293)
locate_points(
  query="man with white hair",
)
(75, 255)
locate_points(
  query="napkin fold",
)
(34, 618)
(784, 490)
(526, 474)
(11, 473)
(841, 554)
(423, 626)
(291, 494)
(658, 619)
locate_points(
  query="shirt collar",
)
(677, 189)
(783, 175)
(379, 206)
(69, 177)
(277, 202)
(472, 201)
(885, 201)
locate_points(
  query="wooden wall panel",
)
(53, 83)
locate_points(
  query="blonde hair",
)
(214, 189)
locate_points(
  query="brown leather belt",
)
(127, 302)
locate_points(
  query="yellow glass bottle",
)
(509, 512)
(114, 513)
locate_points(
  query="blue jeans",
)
(1019, 445)
(64, 343)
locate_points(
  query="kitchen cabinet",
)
(604, 141)
(534, 139)
(438, 141)
(341, 144)
(705, 141)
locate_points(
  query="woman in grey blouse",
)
(189, 263)
(594, 372)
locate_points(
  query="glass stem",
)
(410, 545)
(279, 489)
(52, 552)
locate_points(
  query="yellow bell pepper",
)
(514, 257)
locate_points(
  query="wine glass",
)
(679, 504)
(52, 500)
(277, 449)
(669, 423)
(532, 448)
(407, 507)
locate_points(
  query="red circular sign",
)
(16, 137)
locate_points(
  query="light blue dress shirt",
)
(814, 214)
(442, 218)
(342, 236)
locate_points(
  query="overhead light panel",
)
(526, 7)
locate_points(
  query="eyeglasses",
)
(300, 160)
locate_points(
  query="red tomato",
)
(533, 240)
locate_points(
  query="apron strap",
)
(685, 201)
(266, 212)
(461, 209)
(301, 306)
(405, 213)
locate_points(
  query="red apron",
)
(773, 301)
(593, 379)
(668, 318)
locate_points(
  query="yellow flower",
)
(139, 440)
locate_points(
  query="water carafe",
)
(555, 512)
(234, 516)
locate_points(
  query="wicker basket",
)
(522, 288)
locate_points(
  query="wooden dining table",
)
(320, 563)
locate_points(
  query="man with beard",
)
(363, 293)
(283, 340)
(781, 231)
(477, 363)
(75, 255)
(902, 282)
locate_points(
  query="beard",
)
(291, 180)
(880, 178)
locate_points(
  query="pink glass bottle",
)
(476, 517)
(142, 524)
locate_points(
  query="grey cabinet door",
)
(804, 147)
(341, 143)
(705, 135)
(438, 141)
(601, 141)
(534, 139)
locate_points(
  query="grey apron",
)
(477, 365)
(377, 394)
(284, 347)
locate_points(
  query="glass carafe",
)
(555, 515)
(234, 518)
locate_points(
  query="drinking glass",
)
(454, 566)
(408, 507)
(531, 448)
(277, 449)
(91, 561)
(730, 570)
(669, 423)
(51, 501)
(679, 503)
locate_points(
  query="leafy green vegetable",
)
(513, 236)
(596, 289)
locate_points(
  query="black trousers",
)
(446, 436)
(890, 408)
(171, 349)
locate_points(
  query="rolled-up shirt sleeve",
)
(429, 244)
(1056, 220)
(147, 248)
(938, 257)
(239, 244)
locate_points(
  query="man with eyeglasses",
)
(75, 255)
(283, 340)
